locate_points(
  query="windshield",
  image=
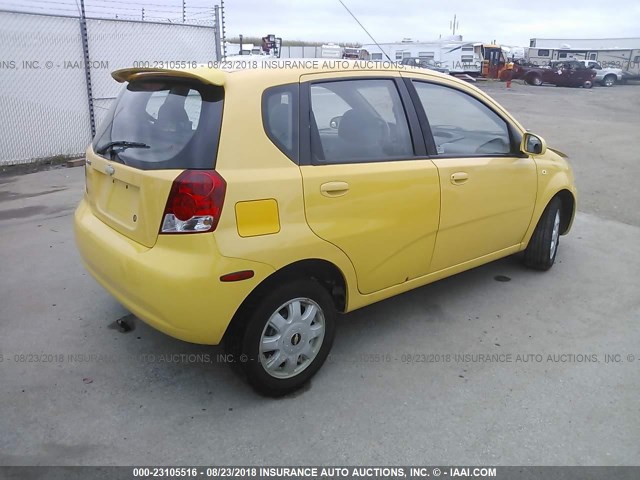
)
(163, 124)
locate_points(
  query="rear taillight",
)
(195, 202)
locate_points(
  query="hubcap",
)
(292, 338)
(555, 234)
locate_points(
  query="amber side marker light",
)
(237, 276)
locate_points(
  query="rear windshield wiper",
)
(121, 145)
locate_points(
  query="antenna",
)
(365, 30)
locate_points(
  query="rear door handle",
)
(334, 189)
(459, 178)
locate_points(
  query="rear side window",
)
(280, 118)
(462, 125)
(163, 124)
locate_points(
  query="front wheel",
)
(288, 337)
(587, 84)
(543, 246)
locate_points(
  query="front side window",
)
(163, 124)
(462, 125)
(358, 121)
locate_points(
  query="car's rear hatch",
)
(163, 122)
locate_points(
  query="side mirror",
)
(335, 122)
(533, 144)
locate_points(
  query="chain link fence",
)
(44, 105)
(44, 98)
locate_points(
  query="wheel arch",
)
(324, 271)
(567, 210)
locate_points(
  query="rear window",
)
(163, 124)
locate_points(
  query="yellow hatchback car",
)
(251, 206)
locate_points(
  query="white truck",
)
(605, 76)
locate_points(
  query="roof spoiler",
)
(213, 77)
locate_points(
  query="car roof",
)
(276, 71)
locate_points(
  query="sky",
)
(507, 22)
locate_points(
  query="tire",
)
(541, 252)
(534, 80)
(300, 343)
(587, 84)
(609, 81)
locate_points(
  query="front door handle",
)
(459, 178)
(334, 189)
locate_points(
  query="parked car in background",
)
(569, 73)
(253, 206)
(424, 63)
(605, 76)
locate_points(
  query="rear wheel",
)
(535, 80)
(288, 337)
(543, 246)
(609, 81)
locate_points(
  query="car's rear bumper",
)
(175, 286)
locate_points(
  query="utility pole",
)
(454, 25)
(87, 67)
(224, 31)
(216, 31)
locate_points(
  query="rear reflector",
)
(195, 202)
(236, 276)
